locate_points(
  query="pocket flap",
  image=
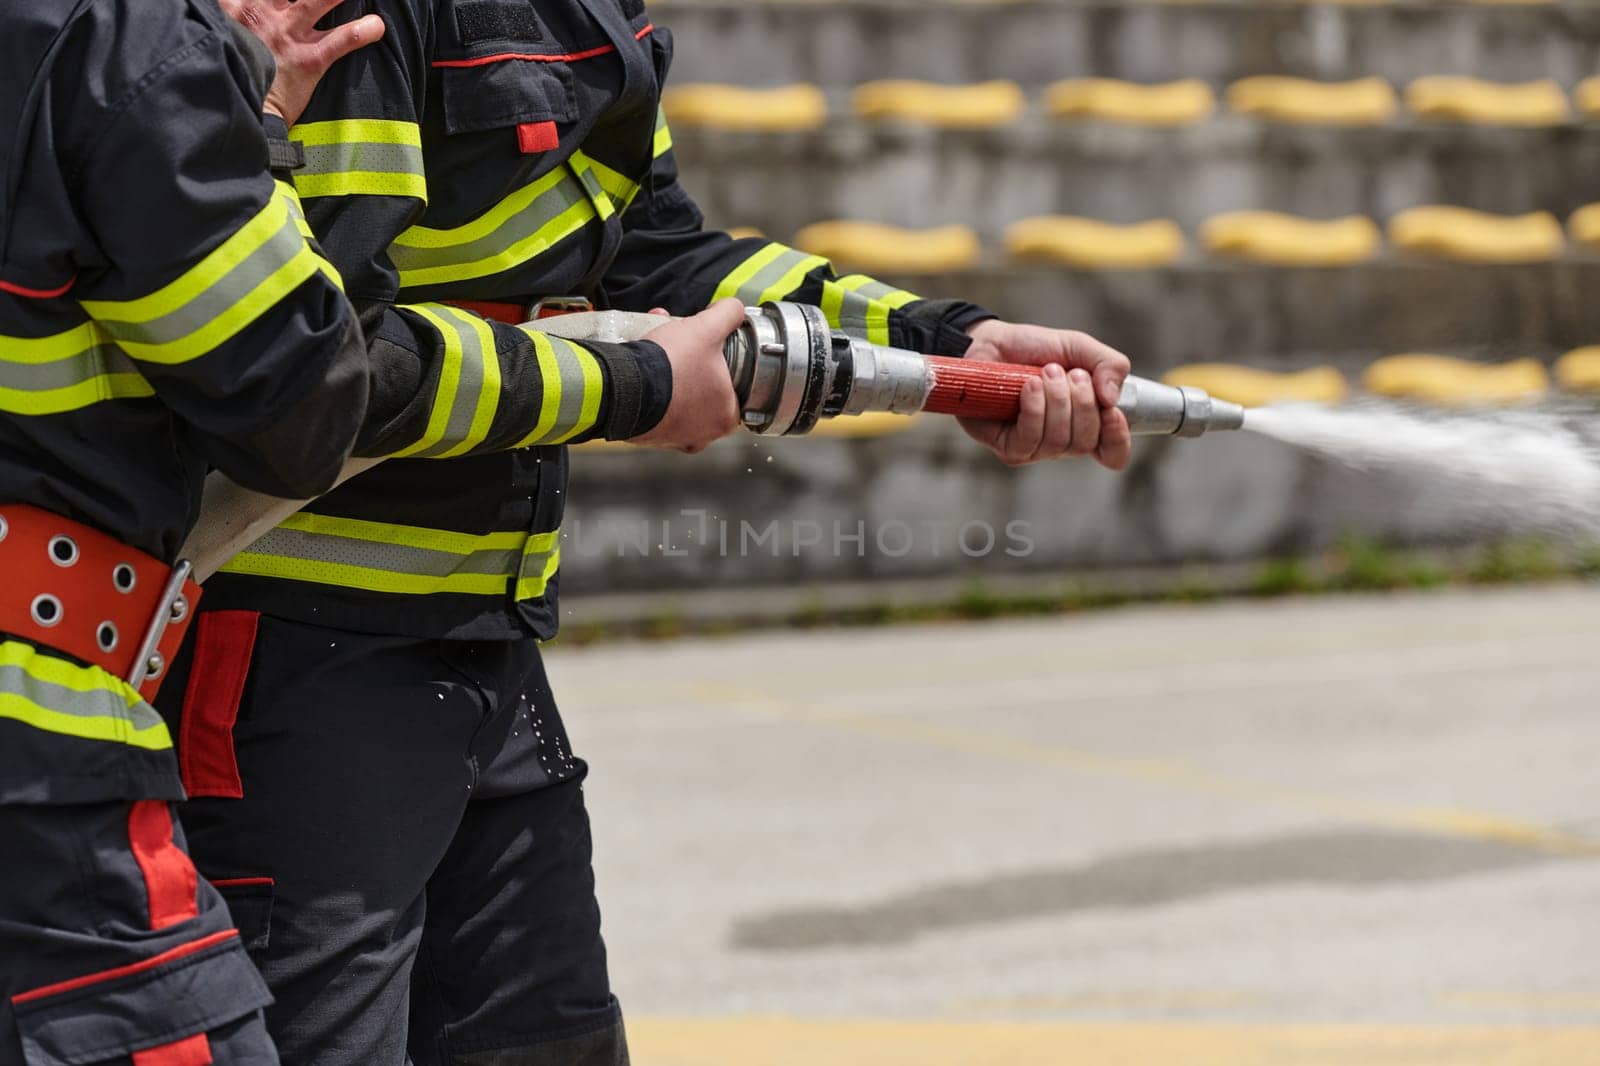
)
(501, 92)
(193, 988)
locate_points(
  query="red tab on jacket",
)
(535, 137)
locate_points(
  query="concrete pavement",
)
(1335, 830)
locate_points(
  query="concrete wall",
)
(1234, 497)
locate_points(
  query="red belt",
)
(74, 589)
(514, 314)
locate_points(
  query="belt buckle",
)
(554, 306)
(172, 608)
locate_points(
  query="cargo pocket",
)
(155, 1012)
(224, 645)
(528, 100)
(249, 901)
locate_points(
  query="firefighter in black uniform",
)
(396, 798)
(160, 310)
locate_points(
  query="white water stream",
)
(1532, 468)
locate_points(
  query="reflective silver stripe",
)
(394, 558)
(400, 560)
(84, 709)
(771, 274)
(217, 299)
(523, 226)
(857, 302)
(463, 428)
(572, 382)
(572, 388)
(63, 373)
(368, 157)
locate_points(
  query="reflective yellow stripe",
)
(878, 315)
(401, 560)
(421, 537)
(773, 273)
(56, 696)
(572, 382)
(746, 271)
(793, 279)
(540, 561)
(663, 143)
(238, 282)
(521, 227)
(297, 213)
(592, 383)
(860, 306)
(361, 157)
(357, 130)
(67, 371)
(550, 379)
(468, 393)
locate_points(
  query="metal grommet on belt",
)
(106, 636)
(63, 550)
(124, 577)
(47, 610)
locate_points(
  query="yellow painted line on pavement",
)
(790, 1042)
(1440, 822)
(1517, 1002)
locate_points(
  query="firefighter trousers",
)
(398, 826)
(113, 951)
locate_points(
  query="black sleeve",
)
(211, 285)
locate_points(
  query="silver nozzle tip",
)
(1225, 415)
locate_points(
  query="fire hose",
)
(790, 370)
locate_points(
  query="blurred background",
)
(902, 788)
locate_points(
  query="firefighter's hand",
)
(703, 407)
(1071, 410)
(303, 53)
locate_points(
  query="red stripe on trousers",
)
(170, 879)
(190, 1051)
(172, 955)
(223, 645)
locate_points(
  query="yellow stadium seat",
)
(1587, 96)
(874, 247)
(1584, 225)
(1177, 103)
(983, 106)
(1250, 387)
(730, 107)
(1579, 370)
(1286, 240)
(1468, 236)
(1440, 379)
(1365, 102)
(1085, 243)
(1487, 103)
